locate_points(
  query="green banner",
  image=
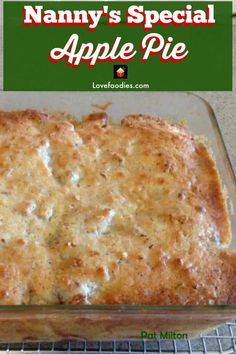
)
(86, 46)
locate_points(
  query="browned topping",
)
(77, 262)
(78, 299)
(94, 213)
(102, 106)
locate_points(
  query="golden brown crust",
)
(93, 212)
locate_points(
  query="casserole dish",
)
(21, 323)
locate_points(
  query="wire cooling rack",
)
(220, 340)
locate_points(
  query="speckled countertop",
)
(223, 104)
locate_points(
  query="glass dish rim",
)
(119, 308)
(214, 121)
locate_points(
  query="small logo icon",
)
(120, 71)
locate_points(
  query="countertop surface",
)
(224, 106)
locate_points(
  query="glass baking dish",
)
(100, 322)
